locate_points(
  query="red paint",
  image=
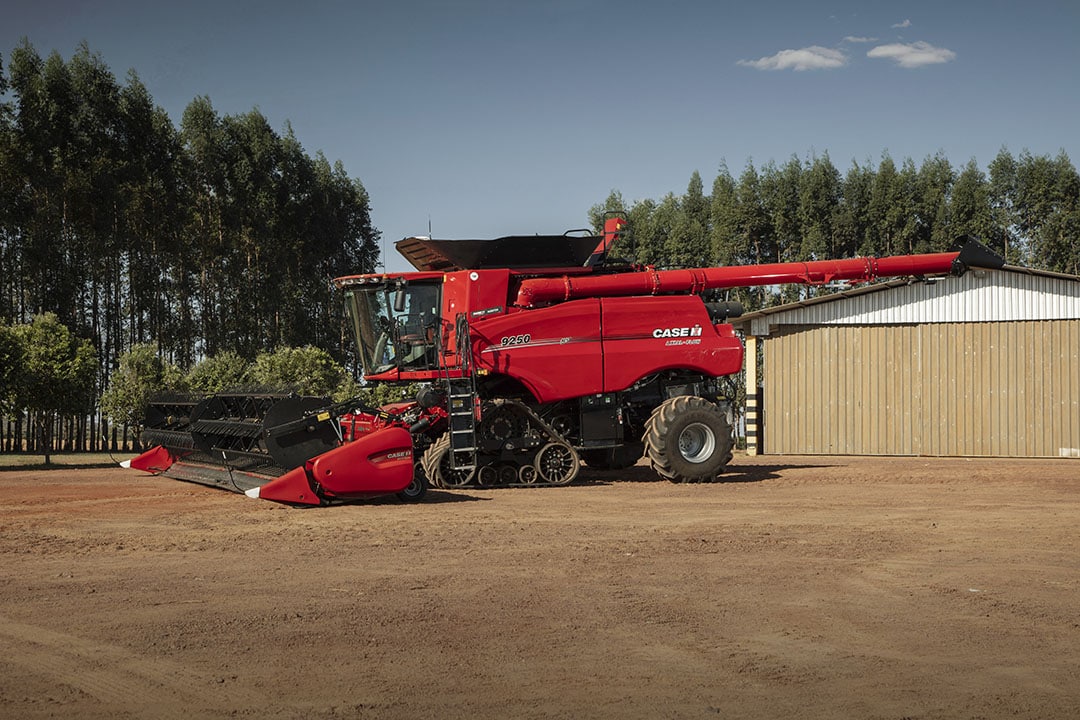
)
(155, 460)
(537, 291)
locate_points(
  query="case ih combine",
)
(535, 353)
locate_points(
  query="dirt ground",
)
(803, 587)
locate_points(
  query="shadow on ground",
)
(734, 474)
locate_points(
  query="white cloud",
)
(814, 57)
(912, 55)
(905, 24)
(856, 39)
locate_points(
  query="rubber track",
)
(430, 461)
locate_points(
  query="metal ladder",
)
(462, 402)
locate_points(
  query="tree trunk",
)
(45, 435)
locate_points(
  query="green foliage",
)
(819, 200)
(217, 236)
(307, 371)
(687, 241)
(380, 394)
(1047, 210)
(59, 373)
(723, 219)
(1027, 209)
(11, 368)
(223, 372)
(142, 375)
(971, 209)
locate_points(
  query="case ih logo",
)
(392, 455)
(682, 332)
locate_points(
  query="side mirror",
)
(399, 300)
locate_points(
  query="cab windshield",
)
(396, 326)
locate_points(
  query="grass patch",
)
(61, 461)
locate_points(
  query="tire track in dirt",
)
(121, 680)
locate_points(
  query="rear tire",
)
(688, 439)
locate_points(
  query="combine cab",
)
(535, 353)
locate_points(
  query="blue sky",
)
(495, 117)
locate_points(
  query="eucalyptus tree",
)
(882, 232)
(1047, 204)
(152, 245)
(970, 210)
(11, 368)
(756, 199)
(204, 232)
(906, 212)
(9, 222)
(819, 199)
(687, 243)
(251, 149)
(663, 223)
(348, 243)
(41, 130)
(723, 219)
(1005, 239)
(852, 219)
(931, 202)
(752, 220)
(780, 187)
(640, 215)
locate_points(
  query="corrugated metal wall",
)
(991, 389)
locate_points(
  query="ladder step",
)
(462, 399)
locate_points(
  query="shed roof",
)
(1010, 294)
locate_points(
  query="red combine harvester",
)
(535, 353)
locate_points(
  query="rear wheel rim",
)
(697, 443)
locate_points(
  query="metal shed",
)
(987, 364)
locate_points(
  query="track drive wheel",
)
(557, 463)
(417, 489)
(688, 439)
(436, 462)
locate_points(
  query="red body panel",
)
(292, 487)
(379, 463)
(604, 345)
(642, 336)
(155, 460)
(555, 352)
